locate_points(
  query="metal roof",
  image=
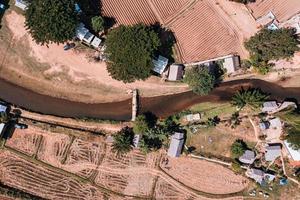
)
(3, 108)
(248, 157)
(175, 72)
(295, 154)
(176, 145)
(160, 64)
(273, 152)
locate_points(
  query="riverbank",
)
(161, 106)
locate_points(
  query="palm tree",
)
(250, 97)
(122, 142)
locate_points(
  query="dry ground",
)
(66, 74)
(215, 180)
(67, 159)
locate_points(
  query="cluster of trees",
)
(153, 134)
(200, 80)
(238, 148)
(251, 97)
(51, 21)
(267, 45)
(130, 50)
(292, 118)
(55, 21)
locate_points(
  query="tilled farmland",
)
(64, 166)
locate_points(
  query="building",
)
(84, 35)
(293, 154)
(231, 64)
(160, 64)
(274, 131)
(248, 157)
(175, 72)
(269, 106)
(264, 125)
(193, 117)
(2, 128)
(3, 108)
(272, 152)
(260, 176)
(176, 145)
(21, 4)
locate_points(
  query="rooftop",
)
(248, 157)
(272, 152)
(282, 9)
(176, 145)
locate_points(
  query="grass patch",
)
(213, 109)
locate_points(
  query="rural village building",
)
(272, 152)
(160, 64)
(260, 176)
(84, 35)
(175, 72)
(276, 13)
(269, 106)
(176, 145)
(248, 157)
(21, 4)
(193, 117)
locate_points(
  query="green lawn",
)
(214, 109)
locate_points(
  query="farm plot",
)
(205, 176)
(26, 140)
(166, 191)
(133, 182)
(133, 159)
(53, 148)
(84, 157)
(42, 181)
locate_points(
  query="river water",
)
(162, 106)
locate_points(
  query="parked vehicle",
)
(69, 46)
(21, 126)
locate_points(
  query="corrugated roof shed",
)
(176, 145)
(248, 157)
(175, 72)
(295, 154)
(272, 152)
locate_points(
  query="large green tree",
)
(252, 97)
(97, 23)
(130, 50)
(51, 20)
(269, 45)
(200, 80)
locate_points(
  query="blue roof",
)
(77, 8)
(160, 64)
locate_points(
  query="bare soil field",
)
(129, 182)
(205, 176)
(84, 157)
(53, 148)
(26, 141)
(132, 159)
(42, 181)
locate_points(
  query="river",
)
(161, 106)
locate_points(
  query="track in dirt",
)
(162, 106)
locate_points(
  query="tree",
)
(141, 125)
(122, 141)
(269, 45)
(234, 120)
(200, 80)
(238, 148)
(4, 118)
(98, 23)
(130, 50)
(51, 20)
(250, 97)
(294, 138)
(153, 139)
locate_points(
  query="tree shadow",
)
(167, 40)
(151, 118)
